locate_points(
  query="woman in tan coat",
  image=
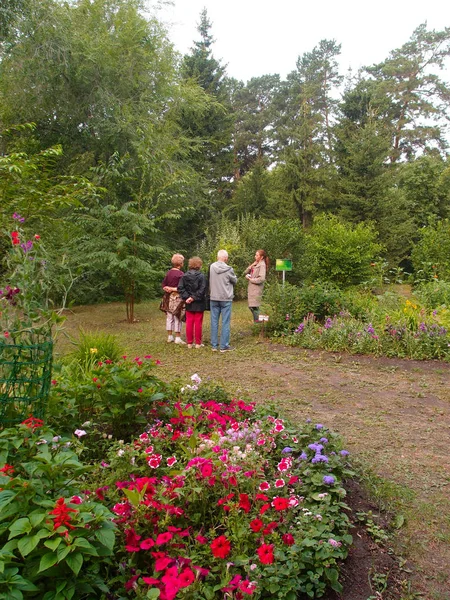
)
(256, 275)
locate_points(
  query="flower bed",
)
(217, 500)
(214, 500)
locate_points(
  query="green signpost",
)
(283, 264)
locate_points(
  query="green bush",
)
(94, 346)
(431, 255)
(339, 252)
(55, 540)
(434, 293)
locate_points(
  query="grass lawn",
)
(394, 415)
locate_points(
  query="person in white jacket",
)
(222, 280)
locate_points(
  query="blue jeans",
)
(220, 307)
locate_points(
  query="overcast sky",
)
(259, 37)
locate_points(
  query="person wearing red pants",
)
(192, 289)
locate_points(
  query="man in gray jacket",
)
(221, 284)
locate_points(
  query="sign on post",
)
(283, 264)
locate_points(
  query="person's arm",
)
(261, 276)
(200, 293)
(182, 289)
(232, 276)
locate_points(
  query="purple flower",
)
(370, 328)
(18, 217)
(319, 426)
(328, 323)
(324, 440)
(287, 449)
(328, 480)
(27, 246)
(319, 458)
(300, 328)
(303, 456)
(422, 327)
(344, 452)
(315, 447)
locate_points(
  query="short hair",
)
(177, 260)
(195, 263)
(222, 254)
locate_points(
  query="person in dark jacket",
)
(192, 288)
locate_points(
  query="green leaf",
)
(47, 561)
(28, 544)
(36, 517)
(399, 521)
(75, 561)
(6, 496)
(153, 593)
(106, 537)
(53, 544)
(20, 527)
(86, 546)
(62, 552)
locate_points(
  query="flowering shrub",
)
(406, 336)
(25, 313)
(216, 500)
(115, 396)
(54, 539)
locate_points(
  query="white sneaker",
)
(170, 339)
(178, 340)
(199, 346)
(189, 346)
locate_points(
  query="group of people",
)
(188, 295)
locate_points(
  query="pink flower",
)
(154, 460)
(247, 587)
(163, 538)
(279, 483)
(288, 539)
(201, 539)
(186, 577)
(264, 486)
(140, 390)
(76, 500)
(171, 461)
(147, 544)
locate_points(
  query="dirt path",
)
(393, 414)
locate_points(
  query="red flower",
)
(280, 503)
(247, 587)
(220, 547)
(163, 538)
(147, 544)
(62, 514)
(162, 561)
(33, 423)
(244, 503)
(265, 553)
(270, 527)
(288, 539)
(256, 525)
(186, 577)
(263, 508)
(206, 469)
(132, 541)
(7, 470)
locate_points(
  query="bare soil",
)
(393, 414)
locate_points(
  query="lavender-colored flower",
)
(303, 456)
(287, 449)
(370, 328)
(27, 246)
(328, 323)
(300, 328)
(315, 447)
(422, 326)
(328, 480)
(17, 217)
(344, 452)
(324, 440)
(308, 420)
(319, 426)
(319, 458)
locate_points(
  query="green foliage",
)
(94, 346)
(431, 255)
(115, 397)
(52, 547)
(339, 252)
(434, 293)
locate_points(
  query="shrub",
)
(431, 255)
(283, 304)
(115, 397)
(434, 293)
(55, 540)
(92, 347)
(339, 252)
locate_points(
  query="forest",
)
(120, 151)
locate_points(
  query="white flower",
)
(56, 438)
(79, 433)
(120, 452)
(196, 379)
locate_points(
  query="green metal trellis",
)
(25, 378)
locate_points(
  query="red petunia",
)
(265, 553)
(247, 587)
(256, 525)
(244, 503)
(186, 577)
(220, 547)
(288, 539)
(280, 503)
